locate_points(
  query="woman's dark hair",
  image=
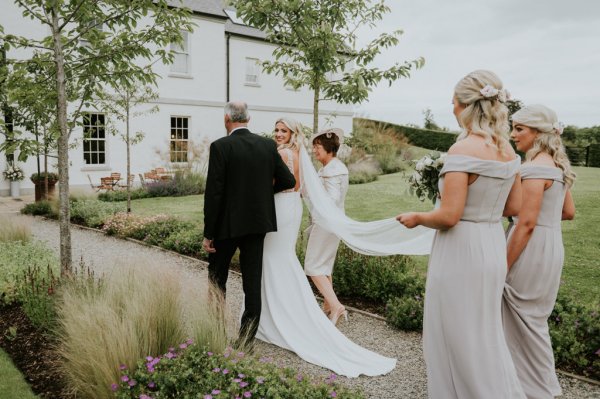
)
(330, 144)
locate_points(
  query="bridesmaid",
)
(463, 340)
(535, 248)
(322, 245)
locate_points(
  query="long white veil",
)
(377, 238)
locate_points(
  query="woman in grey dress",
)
(463, 340)
(535, 249)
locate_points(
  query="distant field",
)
(389, 196)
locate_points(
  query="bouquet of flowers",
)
(13, 173)
(424, 180)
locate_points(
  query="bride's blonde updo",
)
(547, 139)
(297, 134)
(482, 94)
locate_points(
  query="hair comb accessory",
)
(558, 127)
(490, 92)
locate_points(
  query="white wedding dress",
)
(291, 317)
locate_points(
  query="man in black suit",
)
(244, 172)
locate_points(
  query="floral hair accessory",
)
(558, 127)
(491, 92)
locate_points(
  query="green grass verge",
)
(12, 383)
(389, 196)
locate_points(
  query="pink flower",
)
(333, 394)
(216, 391)
(247, 394)
(124, 378)
(114, 387)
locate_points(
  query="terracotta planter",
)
(40, 190)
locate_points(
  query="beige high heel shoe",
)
(335, 316)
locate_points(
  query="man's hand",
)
(208, 246)
(409, 220)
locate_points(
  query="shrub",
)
(186, 242)
(575, 333)
(35, 291)
(430, 139)
(124, 224)
(362, 177)
(121, 195)
(405, 313)
(375, 278)
(92, 213)
(157, 230)
(14, 229)
(577, 155)
(594, 156)
(16, 258)
(41, 208)
(193, 372)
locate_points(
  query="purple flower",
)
(225, 371)
(132, 383)
(333, 394)
(260, 380)
(216, 370)
(236, 380)
(114, 387)
(242, 375)
(189, 341)
(247, 394)
(226, 354)
(598, 352)
(208, 397)
(216, 391)
(299, 377)
(151, 384)
(265, 360)
(144, 396)
(170, 355)
(243, 384)
(149, 358)
(124, 378)
(240, 354)
(183, 346)
(209, 353)
(122, 367)
(171, 349)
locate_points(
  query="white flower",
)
(489, 91)
(428, 161)
(416, 177)
(503, 95)
(420, 165)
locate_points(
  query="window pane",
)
(185, 122)
(86, 158)
(94, 158)
(172, 122)
(100, 132)
(101, 158)
(101, 145)
(184, 134)
(94, 119)
(94, 146)
(86, 146)
(179, 63)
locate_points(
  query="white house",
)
(217, 63)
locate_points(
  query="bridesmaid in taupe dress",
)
(535, 249)
(463, 340)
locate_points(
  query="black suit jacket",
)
(244, 172)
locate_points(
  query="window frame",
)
(174, 140)
(89, 141)
(256, 71)
(180, 50)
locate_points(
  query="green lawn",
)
(389, 196)
(12, 384)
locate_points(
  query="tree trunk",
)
(316, 108)
(128, 156)
(63, 147)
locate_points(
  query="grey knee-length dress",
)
(463, 339)
(531, 289)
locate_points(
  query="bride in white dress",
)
(291, 317)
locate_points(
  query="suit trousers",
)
(251, 254)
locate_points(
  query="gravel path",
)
(408, 380)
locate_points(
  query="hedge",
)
(430, 139)
(594, 156)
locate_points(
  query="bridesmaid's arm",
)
(452, 207)
(568, 211)
(533, 190)
(515, 197)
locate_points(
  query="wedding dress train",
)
(291, 317)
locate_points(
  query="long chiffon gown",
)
(463, 339)
(291, 317)
(531, 289)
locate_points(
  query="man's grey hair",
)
(237, 111)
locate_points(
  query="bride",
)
(291, 317)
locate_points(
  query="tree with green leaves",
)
(317, 46)
(428, 121)
(121, 103)
(93, 44)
